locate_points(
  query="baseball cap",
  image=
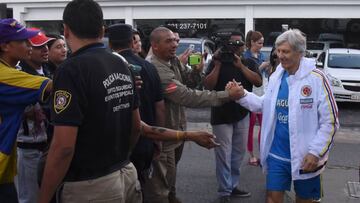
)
(11, 30)
(120, 32)
(39, 39)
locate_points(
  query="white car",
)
(200, 45)
(342, 67)
(317, 47)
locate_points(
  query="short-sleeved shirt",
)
(149, 94)
(17, 90)
(259, 60)
(94, 90)
(281, 143)
(231, 111)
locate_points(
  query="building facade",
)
(205, 18)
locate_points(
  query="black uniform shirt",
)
(151, 90)
(94, 90)
(149, 94)
(231, 111)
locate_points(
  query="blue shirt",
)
(259, 60)
(281, 143)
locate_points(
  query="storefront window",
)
(343, 30)
(191, 28)
(56, 27)
(53, 27)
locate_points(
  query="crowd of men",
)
(110, 126)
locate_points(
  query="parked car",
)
(342, 67)
(317, 47)
(201, 45)
(331, 37)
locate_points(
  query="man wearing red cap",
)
(17, 90)
(32, 137)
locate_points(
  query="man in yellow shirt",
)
(17, 90)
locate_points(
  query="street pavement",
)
(196, 180)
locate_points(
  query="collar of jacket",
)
(29, 69)
(155, 59)
(306, 66)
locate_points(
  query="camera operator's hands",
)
(216, 59)
(237, 62)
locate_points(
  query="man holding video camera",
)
(230, 121)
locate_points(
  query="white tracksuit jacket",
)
(313, 116)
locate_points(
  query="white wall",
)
(31, 10)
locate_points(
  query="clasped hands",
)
(235, 89)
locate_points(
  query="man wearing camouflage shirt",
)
(160, 187)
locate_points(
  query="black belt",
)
(85, 174)
(32, 145)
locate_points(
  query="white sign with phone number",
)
(186, 26)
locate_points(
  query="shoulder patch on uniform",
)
(171, 88)
(61, 100)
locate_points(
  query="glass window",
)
(336, 45)
(344, 61)
(315, 46)
(51, 26)
(344, 31)
(56, 26)
(191, 28)
(183, 45)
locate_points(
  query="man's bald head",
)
(155, 35)
(163, 43)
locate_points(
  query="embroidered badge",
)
(171, 88)
(306, 91)
(307, 101)
(61, 100)
(306, 106)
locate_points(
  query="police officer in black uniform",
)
(151, 97)
(95, 114)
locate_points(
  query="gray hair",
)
(295, 38)
(155, 34)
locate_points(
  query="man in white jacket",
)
(300, 118)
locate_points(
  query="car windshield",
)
(184, 45)
(344, 61)
(315, 46)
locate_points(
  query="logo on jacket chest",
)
(306, 103)
(306, 91)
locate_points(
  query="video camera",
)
(227, 47)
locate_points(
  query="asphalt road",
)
(196, 180)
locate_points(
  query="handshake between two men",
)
(236, 90)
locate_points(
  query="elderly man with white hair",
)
(300, 118)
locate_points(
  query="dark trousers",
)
(8, 193)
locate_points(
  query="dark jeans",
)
(8, 193)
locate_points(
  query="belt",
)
(86, 174)
(32, 145)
